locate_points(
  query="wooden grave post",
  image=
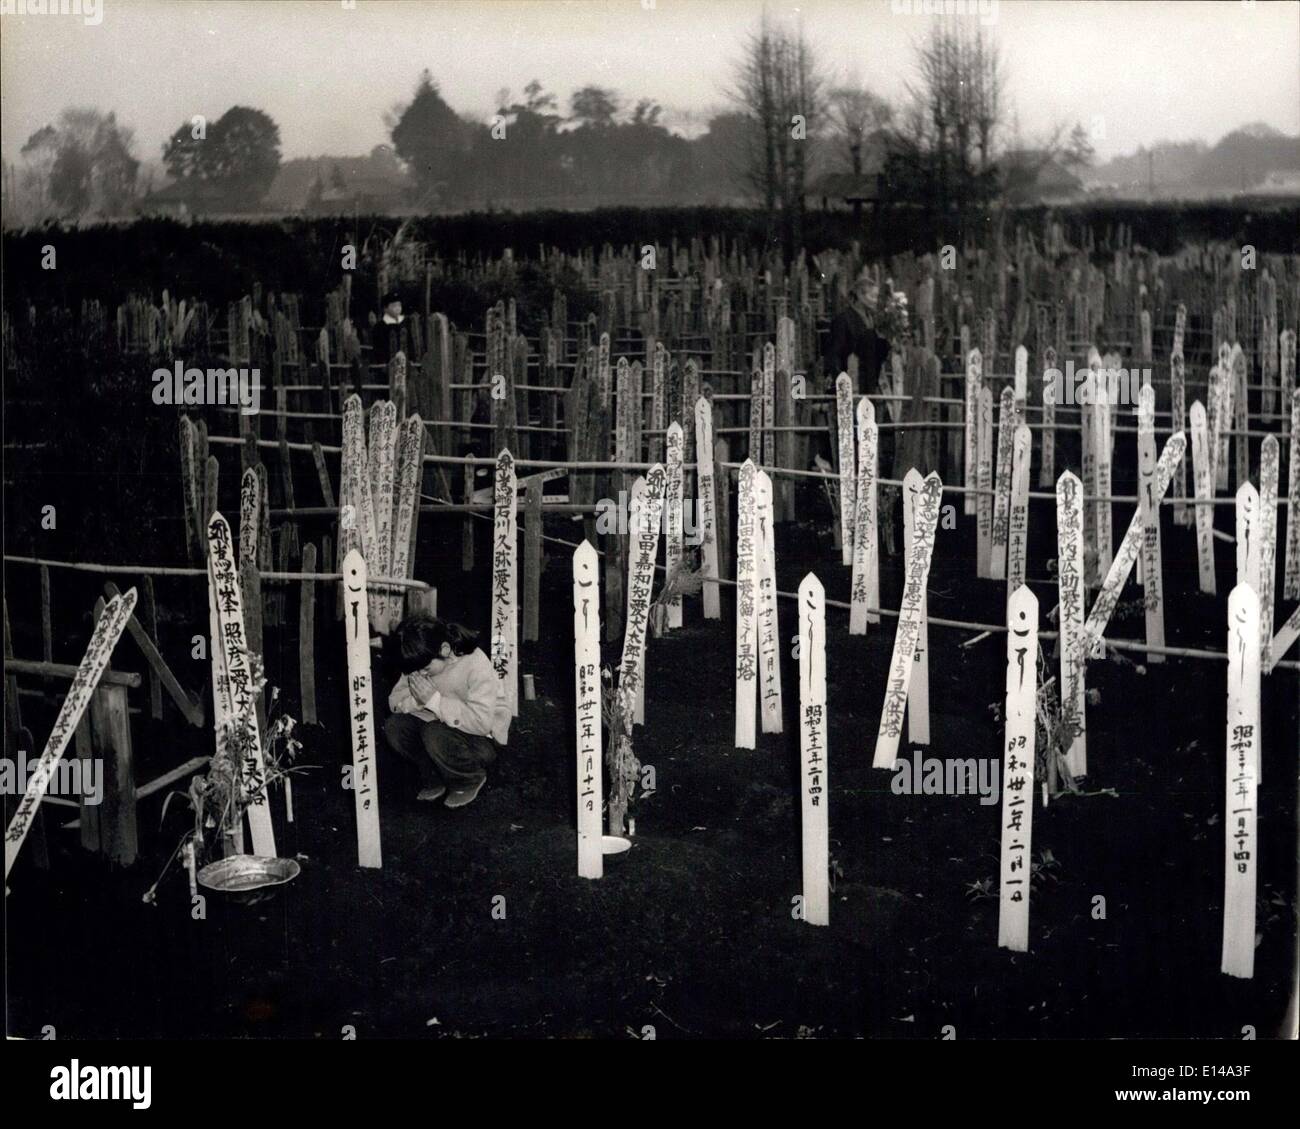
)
(1016, 863)
(1242, 749)
(1071, 594)
(586, 659)
(747, 548)
(361, 710)
(505, 581)
(769, 634)
(1203, 481)
(910, 618)
(814, 788)
(708, 513)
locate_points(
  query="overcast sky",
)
(1144, 72)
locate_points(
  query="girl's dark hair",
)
(419, 639)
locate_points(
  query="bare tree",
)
(952, 131)
(778, 90)
(855, 113)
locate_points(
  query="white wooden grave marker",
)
(645, 520)
(1022, 446)
(1268, 468)
(1152, 569)
(708, 504)
(910, 618)
(1102, 434)
(1203, 479)
(1071, 594)
(1021, 380)
(108, 629)
(865, 587)
(233, 641)
(970, 477)
(505, 581)
(410, 470)
(847, 467)
(748, 546)
(586, 682)
(814, 789)
(1178, 401)
(1018, 771)
(1248, 536)
(769, 404)
(984, 481)
(361, 709)
(673, 503)
(1002, 500)
(1104, 606)
(1240, 845)
(918, 695)
(1291, 573)
(769, 634)
(1047, 468)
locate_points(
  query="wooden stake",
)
(149, 614)
(234, 648)
(586, 659)
(307, 637)
(865, 586)
(918, 700)
(1242, 751)
(814, 786)
(645, 502)
(1018, 771)
(910, 618)
(970, 469)
(108, 629)
(365, 779)
(1291, 573)
(707, 506)
(1248, 536)
(747, 548)
(984, 479)
(1268, 470)
(1102, 434)
(769, 404)
(847, 464)
(410, 471)
(769, 634)
(1051, 377)
(1203, 479)
(1071, 594)
(1152, 568)
(1002, 498)
(1022, 446)
(1178, 404)
(532, 560)
(383, 427)
(505, 582)
(1104, 606)
(673, 546)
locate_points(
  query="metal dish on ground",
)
(614, 844)
(240, 874)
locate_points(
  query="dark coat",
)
(850, 334)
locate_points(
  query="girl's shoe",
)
(459, 797)
(431, 794)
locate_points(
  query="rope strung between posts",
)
(170, 570)
(958, 624)
(609, 465)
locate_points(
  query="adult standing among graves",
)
(853, 332)
(388, 333)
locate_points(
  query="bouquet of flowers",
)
(891, 315)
